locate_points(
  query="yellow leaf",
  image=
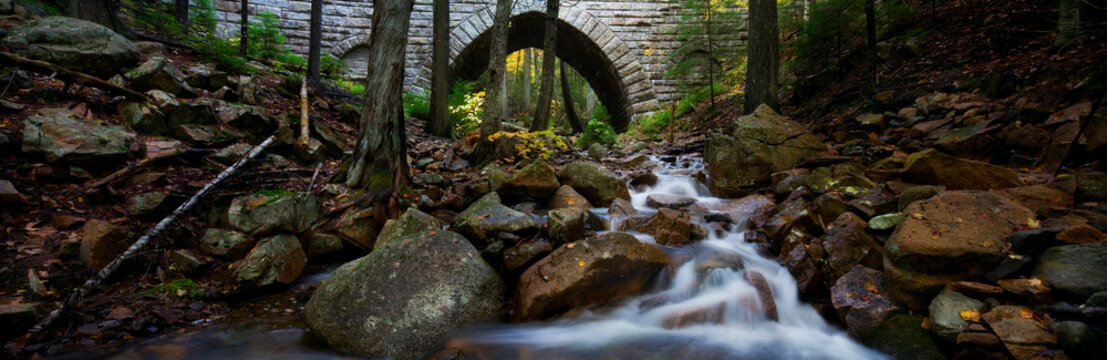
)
(1026, 313)
(581, 263)
(872, 288)
(849, 294)
(1032, 223)
(970, 315)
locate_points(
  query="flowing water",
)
(703, 306)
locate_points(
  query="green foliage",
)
(266, 40)
(463, 115)
(651, 125)
(332, 68)
(149, 18)
(708, 37)
(596, 131)
(202, 17)
(417, 105)
(181, 288)
(836, 27)
(42, 8)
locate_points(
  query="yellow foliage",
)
(970, 315)
(542, 144)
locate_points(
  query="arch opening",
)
(574, 47)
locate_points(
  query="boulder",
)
(1024, 336)
(17, 318)
(411, 222)
(275, 259)
(950, 313)
(405, 298)
(73, 43)
(148, 204)
(535, 179)
(1077, 270)
(205, 77)
(571, 224)
(848, 245)
(916, 193)
(566, 197)
(932, 167)
(158, 73)
(669, 201)
(359, 226)
(486, 218)
(226, 243)
(267, 212)
(902, 337)
(748, 151)
(62, 135)
(957, 235)
(231, 154)
(323, 245)
(1031, 290)
(101, 242)
(672, 227)
(860, 297)
(597, 269)
(1081, 234)
(621, 207)
(142, 117)
(598, 184)
(248, 118)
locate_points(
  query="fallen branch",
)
(75, 76)
(130, 168)
(145, 239)
(315, 176)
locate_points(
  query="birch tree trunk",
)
(763, 56)
(379, 159)
(549, 53)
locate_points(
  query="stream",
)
(703, 307)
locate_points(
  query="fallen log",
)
(75, 76)
(104, 273)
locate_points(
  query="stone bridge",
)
(620, 47)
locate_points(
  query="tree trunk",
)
(710, 59)
(439, 123)
(1068, 21)
(526, 79)
(807, 9)
(870, 48)
(379, 160)
(763, 58)
(181, 13)
(315, 45)
(566, 89)
(497, 68)
(98, 11)
(549, 53)
(242, 32)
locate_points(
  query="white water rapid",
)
(711, 288)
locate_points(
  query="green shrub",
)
(266, 40)
(203, 17)
(182, 288)
(651, 125)
(596, 131)
(417, 105)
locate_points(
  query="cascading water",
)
(707, 308)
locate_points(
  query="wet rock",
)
(142, 117)
(17, 318)
(976, 290)
(185, 261)
(886, 222)
(1074, 270)
(764, 294)
(486, 218)
(566, 197)
(1081, 234)
(621, 207)
(265, 213)
(536, 179)
(948, 313)
(809, 280)
(101, 242)
(443, 285)
(147, 205)
(523, 255)
(790, 221)
(597, 151)
(953, 236)
(902, 337)
(597, 269)
(644, 181)
(1031, 290)
(935, 168)
(323, 245)
(411, 222)
(874, 204)
(598, 184)
(1034, 241)
(829, 206)
(860, 298)
(848, 245)
(359, 226)
(672, 227)
(1091, 187)
(226, 243)
(275, 259)
(753, 147)
(158, 73)
(1022, 334)
(73, 43)
(1078, 340)
(571, 224)
(916, 193)
(62, 135)
(669, 201)
(739, 210)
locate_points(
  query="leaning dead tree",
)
(141, 243)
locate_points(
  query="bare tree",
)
(315, 44)
(439, 123)
(242, 35)
(549, 53)
(379, 159)
(570, 111)
(763, 55)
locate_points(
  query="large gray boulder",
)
(406, 297)
(946, 311)
(158, 73)
(73, 43)
(745, 153)
(265, 213)
(1074, 270)
(536, 179)
(487, 217)
(275, 259)
(411, 222)
(62, 135)
(598, 184)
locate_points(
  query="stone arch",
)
(345, 47)
(584, 42)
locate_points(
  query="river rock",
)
(1081, 234)
(411, 222)
(932, 167)
(1031, 290)
(672, 227)
(1074, 270)
(323, 245)
(566, 197)
(142, 117)
(916, 193)
(848, 245)
(148, 204)
(17, 318)
(669, 201)
(571, 224)
(521, 256)
(597, 269)
(226, 243)
(957, 235)
(1022, 334)
(535, 179)
(1078, 340)
(359, 226)
(8, 192)
(62, 135)
(1044, 199)
(73, 43)
(101, 242)
(275, 259)
(902, 337)
(487, 217)
(946, 314)
(860, 297)
(886, 222)
(160, 74)
(621, 207)
(748, 151)
(265, 213)
(405, 298)
(598, 184)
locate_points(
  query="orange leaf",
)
(970, 315)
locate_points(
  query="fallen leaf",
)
(970, 315)
(1026, 313)
(872, 288)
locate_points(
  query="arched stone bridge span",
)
(620, 47)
